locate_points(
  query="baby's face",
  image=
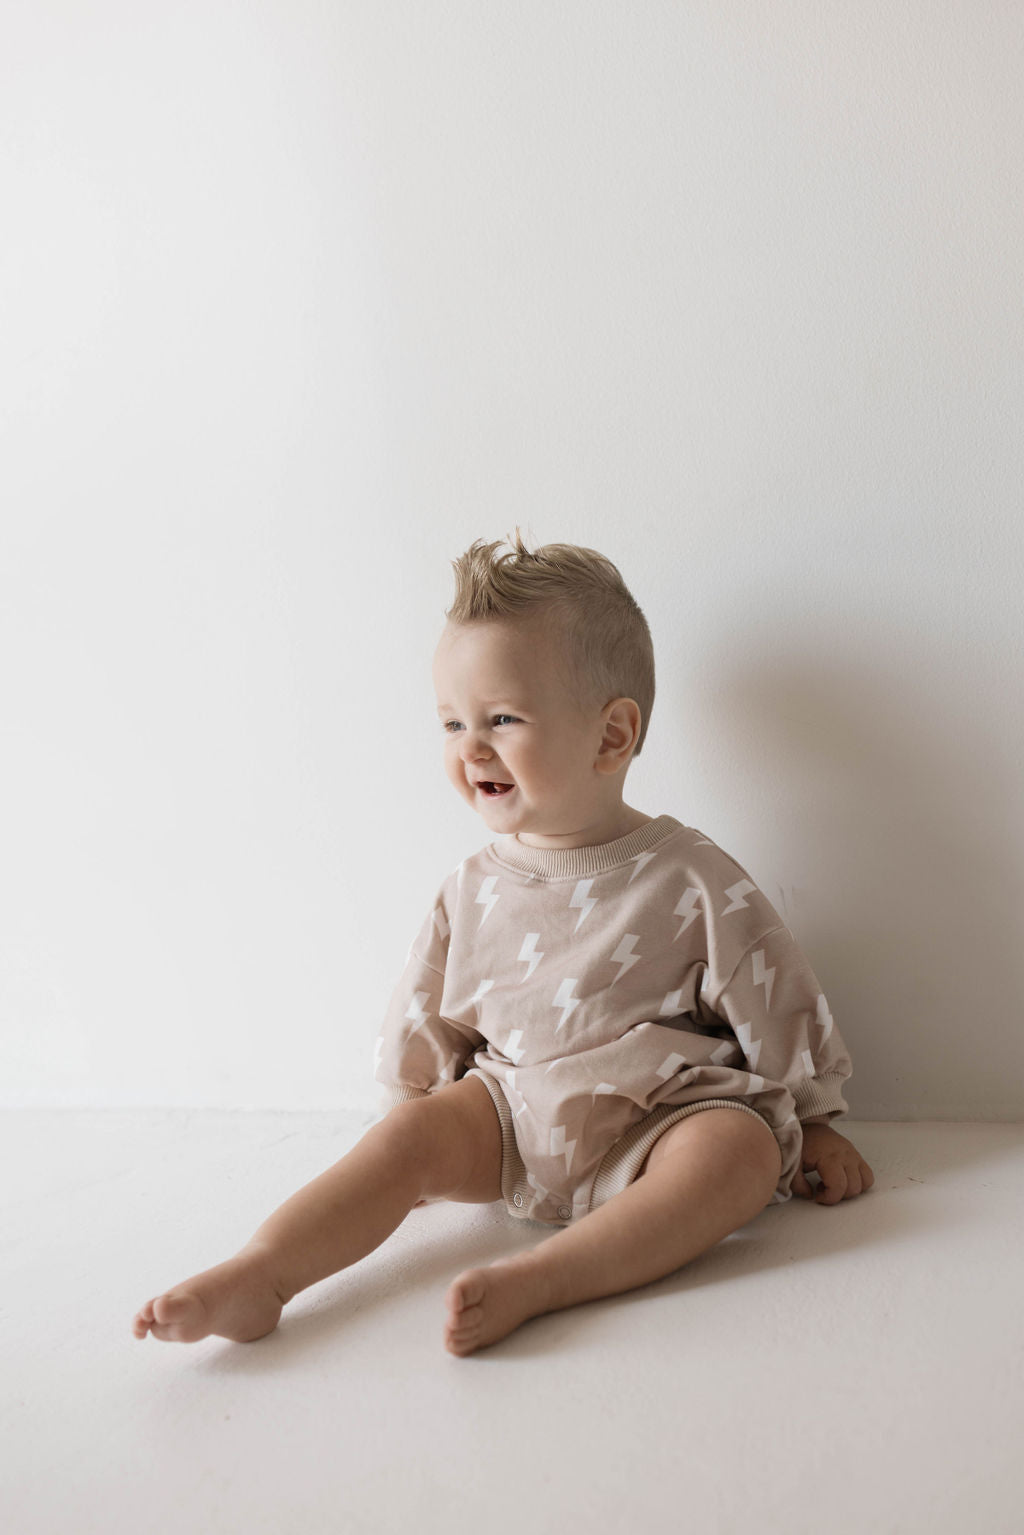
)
(516, 746)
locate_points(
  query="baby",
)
(603, 1022)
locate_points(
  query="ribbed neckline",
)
(576, 862)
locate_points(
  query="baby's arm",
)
(419, 1050)
(775, 1003)
(843, 1171)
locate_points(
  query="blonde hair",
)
(609, 653)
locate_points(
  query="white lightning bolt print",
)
(670, 1006)
(378, 1051)
(481, 991)
(764, 976)
(566, 1001)
(416, 1011)
(669, 1066)
(751, 1047)
(736, 893)
(687, 909)
(441, 923)
(583, 901)
(511, 1046)
(559, 1146)
(642, 860)
(722, 1054)
(447, 1072)
(517, 1102)
(807, 1061)
(538, 1188)
(530, 952)
(824, 1018)
(624, 956)
(486, 897)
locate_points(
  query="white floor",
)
(854, 1369)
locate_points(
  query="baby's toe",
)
(463, 1336)
(460, 1344)
(179, 1318)
(142, 1321)
(465, 1321)
(465, 1293)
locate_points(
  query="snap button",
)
(517, 1200)
(565, 1212)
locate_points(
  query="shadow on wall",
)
(894, 794)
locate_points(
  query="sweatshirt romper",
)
(602, 994)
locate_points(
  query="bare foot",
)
(487, 1304)
(235, 1300)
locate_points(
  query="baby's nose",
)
(474, 747)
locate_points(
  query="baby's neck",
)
(619, 824)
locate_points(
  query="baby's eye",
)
(451, 726)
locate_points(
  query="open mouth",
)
(496, 790)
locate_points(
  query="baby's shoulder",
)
(704, 853)
(728, 887)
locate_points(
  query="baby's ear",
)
(621, 733)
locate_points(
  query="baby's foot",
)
(235, 1300)
(487, 1304)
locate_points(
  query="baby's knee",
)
(452, 1139)
(723, 1137)
(762, 1156)
(423, 1137)
(406, 1130)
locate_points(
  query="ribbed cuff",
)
(821, 1095)
(401, 1094)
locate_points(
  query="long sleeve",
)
(419, 1049)
(777, 1010)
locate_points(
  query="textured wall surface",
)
(298, 300)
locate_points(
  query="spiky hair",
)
(580, 593)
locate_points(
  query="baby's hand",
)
(843, 1171)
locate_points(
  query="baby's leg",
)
(705, 1176)
(447, 1145)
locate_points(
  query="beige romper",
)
(602, 994)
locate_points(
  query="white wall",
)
(299, 299)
